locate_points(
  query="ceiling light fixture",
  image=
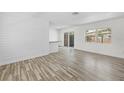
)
(75, 13)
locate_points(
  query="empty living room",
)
(61, 46)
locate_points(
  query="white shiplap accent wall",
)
(22, 37)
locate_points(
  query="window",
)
(102, 35)
(91, 35)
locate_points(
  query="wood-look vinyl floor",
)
(66, 65)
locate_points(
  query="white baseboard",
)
(112, 55)
(18, 59)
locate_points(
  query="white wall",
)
(22, 37)
(116, 48)
(53, 34)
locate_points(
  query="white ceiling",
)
(61, 19)
(67, 19)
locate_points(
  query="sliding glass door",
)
(69, 39)
(66, 39)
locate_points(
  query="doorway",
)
(69, 39)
